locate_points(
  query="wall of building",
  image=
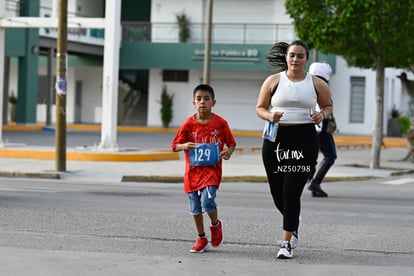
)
(182, 103)
(229, 11)
(91, 95)
(239, 108)
(340, 85)
(90, 8)
(236, 95)
(90, 101)
(232, 20)
(236, 91)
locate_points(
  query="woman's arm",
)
(263, 100)
(324, 97)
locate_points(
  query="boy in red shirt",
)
(202, 137)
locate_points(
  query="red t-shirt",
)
(216, 130)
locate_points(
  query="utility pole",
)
(61, 87)
(207, 51)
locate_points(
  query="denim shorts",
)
(203, 200)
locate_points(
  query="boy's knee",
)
(209, 205)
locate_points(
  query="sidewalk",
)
(162, 165)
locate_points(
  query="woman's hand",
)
(317, 117)
(275, 116)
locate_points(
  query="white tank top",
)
(295, 99)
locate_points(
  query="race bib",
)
(205, 155)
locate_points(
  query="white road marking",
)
(399, 181)
(36, 189)
(26, 190)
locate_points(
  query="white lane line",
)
(26, 190)
(399, 181)
(37, 189)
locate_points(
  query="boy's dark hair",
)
(276, 56)
(204, 87)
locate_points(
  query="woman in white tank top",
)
(287, 101)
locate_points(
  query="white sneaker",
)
(294, 240)
(285, 251)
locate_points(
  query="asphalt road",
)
(62, 227)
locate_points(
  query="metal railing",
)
(231, 33)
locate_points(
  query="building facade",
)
(154, 53)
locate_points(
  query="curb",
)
(153, 155)
(397, 173)
(29, 175)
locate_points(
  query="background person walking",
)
(326, 141)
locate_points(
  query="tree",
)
(166, 107)
(369, 34)
(184, 29)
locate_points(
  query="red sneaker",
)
(200, 245)
(217, 234)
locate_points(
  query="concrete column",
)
(28, 84)
(2, 62)
(51, 94)
(207, 43)
(110, 75)
(6, 86)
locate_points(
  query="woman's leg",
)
(275, 179)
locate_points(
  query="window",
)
(175, 75)
(356, 112)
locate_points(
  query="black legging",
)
(288, 162)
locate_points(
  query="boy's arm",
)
(185, 146)
(230, 143)
(227, 152)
